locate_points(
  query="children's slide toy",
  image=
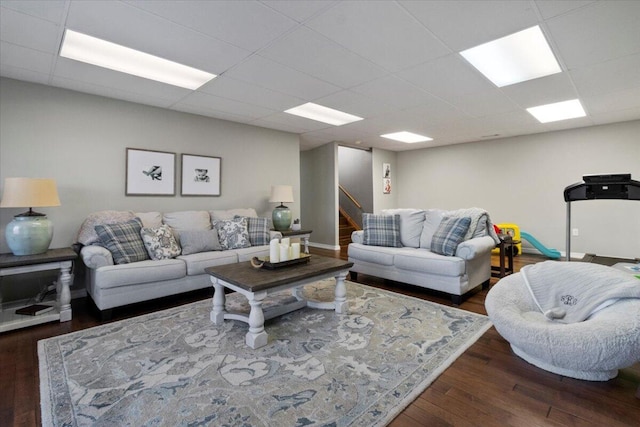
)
(548, 252)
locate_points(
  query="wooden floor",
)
(487, 386)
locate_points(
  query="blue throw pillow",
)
(123, 241)
(449, 235)
(258, 229)
(381, 230)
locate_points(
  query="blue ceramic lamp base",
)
(29, 234)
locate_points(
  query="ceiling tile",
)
(247, 24)
(613, 101)
(41, 35)
(385, 34)
(549, 9)
(23, 74)
(313, 54)
(22, 57)
(394, 91)
(300, 10)
(545, 90)
(597, 33)
(226, 87)
(271, 75)
(354, 103)
(610, 76)
(464, 24)
(218, 103)
(50, 10)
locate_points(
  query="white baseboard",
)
(324, 246)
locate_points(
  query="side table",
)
(506, 246)
(304, 235)
(54, 259)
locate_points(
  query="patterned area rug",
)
(319, 368)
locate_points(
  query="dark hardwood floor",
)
(487, 386)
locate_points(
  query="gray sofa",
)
(112, 285)
(415, 263)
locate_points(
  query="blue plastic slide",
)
(548, 252)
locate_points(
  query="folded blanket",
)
(479, 221)
(570, 292)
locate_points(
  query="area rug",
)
(174, 367)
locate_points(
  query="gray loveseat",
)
(112, 285)
(413, 261)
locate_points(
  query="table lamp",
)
(281, 214)
(30, 232)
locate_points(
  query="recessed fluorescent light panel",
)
(102, 53)
(558, 111)
(408, 137)
(323, 114)
(522, 56)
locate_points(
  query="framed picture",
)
(386, 170)
(200, 175)
(150, 173)
(386, 185)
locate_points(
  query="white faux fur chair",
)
(593, 349)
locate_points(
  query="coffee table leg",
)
(217, 312)
(342, 306)
(256, 337)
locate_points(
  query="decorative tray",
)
(264, 263)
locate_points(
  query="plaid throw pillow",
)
(258, 229)
(123, 241)
(381, 230)
(449, 234)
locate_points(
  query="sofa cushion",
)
(148, 271)
(373, 254)
(194, 241)
(449, 234)
(411, 225)
(217, 215)
(123, 241)
(187, 220)
(233, 233)
(425, 261)
(159, 242)
(196, 263)
(87, 234)
(431, 222)
(150, 219)
(381, 230)
(258, 229)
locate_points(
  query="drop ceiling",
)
(394, 63)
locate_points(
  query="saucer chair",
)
(592, 350)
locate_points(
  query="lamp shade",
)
(29, 193)
(281, 194)
(29, 233)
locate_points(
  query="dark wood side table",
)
(54, 259)
(506, 246)
(304, 235)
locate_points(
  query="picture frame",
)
(386, 185)
(200, 175)
(386, 170)
(150, 173)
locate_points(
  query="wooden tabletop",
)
(52, 255)
(252, 279)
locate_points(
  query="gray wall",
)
(521, 180)
(80, 140)
(380, 200)
(319, 183)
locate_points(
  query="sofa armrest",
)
(357, 236)
(95, 256)
(474, 248)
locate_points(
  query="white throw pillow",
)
(411, 225)
(217, 215)
(433, 217)
(187, 220)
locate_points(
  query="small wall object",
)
(386, 185)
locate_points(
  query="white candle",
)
(274, 251)
(295, 249)
(285, 241)
(284, 252)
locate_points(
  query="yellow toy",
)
(512, 230)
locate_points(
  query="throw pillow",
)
(195, 241)
(258, 229)
(233, 233)
(449, 234)
(381, 230)
(87, 234)
(123, 241)
(411, 225)
(160, 242)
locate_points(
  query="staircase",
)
(346, 226)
